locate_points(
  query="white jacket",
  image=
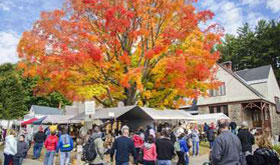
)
(10, 147)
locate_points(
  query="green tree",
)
(18, 94)
(54, 99)
(253, 47)
(12, 103)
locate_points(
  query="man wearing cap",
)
(39, 139)
(227, 148)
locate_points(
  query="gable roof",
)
(43, 110)
(152, 113)
(258, 73)
(242, 81)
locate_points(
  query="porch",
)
(257, 113)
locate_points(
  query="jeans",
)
(146, 162)
(17, 161)
(195, 147)
(37, 150)
(8, 159)
(49, 157)
(121, 163)
(164, 162)
(65, 158)
(187, 160)
(211, 144)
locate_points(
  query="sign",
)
(89, 107)
(111, 114)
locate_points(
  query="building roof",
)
(167, 114)
(258, 73)
(43, 110)
(242, 81)
(151, 112)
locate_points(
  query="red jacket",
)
(150, 152)
(51, 142)
(138, 141)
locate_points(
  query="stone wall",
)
(234, 111)
(275, 121)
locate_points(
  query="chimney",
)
(227, 65)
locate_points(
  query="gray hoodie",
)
(21, 149)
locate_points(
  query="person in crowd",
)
(10, 148)
(138, 143)
(87, 136)
(264, 155)
(246, 138)
(227, 148)
(50, 145)
(205, 127)
(211, 136)
(142, 132)
(123, 146)
(165, 149)
(149, 151)
(233, 127)
(39, 139)
(195, 140)
(83, 130)
(147, 132)
(183, 150)
(108, 143)
(172, 136)
(65, 146)
(98, 143)
(22, 149)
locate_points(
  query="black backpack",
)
(89, 151)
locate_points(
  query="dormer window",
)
(221, 91)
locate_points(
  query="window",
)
(211, 109)
(225, 109)
(219, 109)
(221, 91)
(277, 102)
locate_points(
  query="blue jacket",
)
(65, 143)
(183, 145)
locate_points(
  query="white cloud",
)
(228, 14)
(274, 5)
(252, 3)
(8, 47)
(254, 17)
(4, 7)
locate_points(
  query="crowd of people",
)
(159, 145)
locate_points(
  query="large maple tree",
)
(146, 52)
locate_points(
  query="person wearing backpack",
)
(65, 146)
(123, 146)
(99, 147)
(182, 150)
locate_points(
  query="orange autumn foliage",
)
(150, 52)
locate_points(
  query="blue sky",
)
(18, 15)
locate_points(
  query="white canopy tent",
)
(208, 118)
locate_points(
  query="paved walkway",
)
(25, 161)
(193, 160)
